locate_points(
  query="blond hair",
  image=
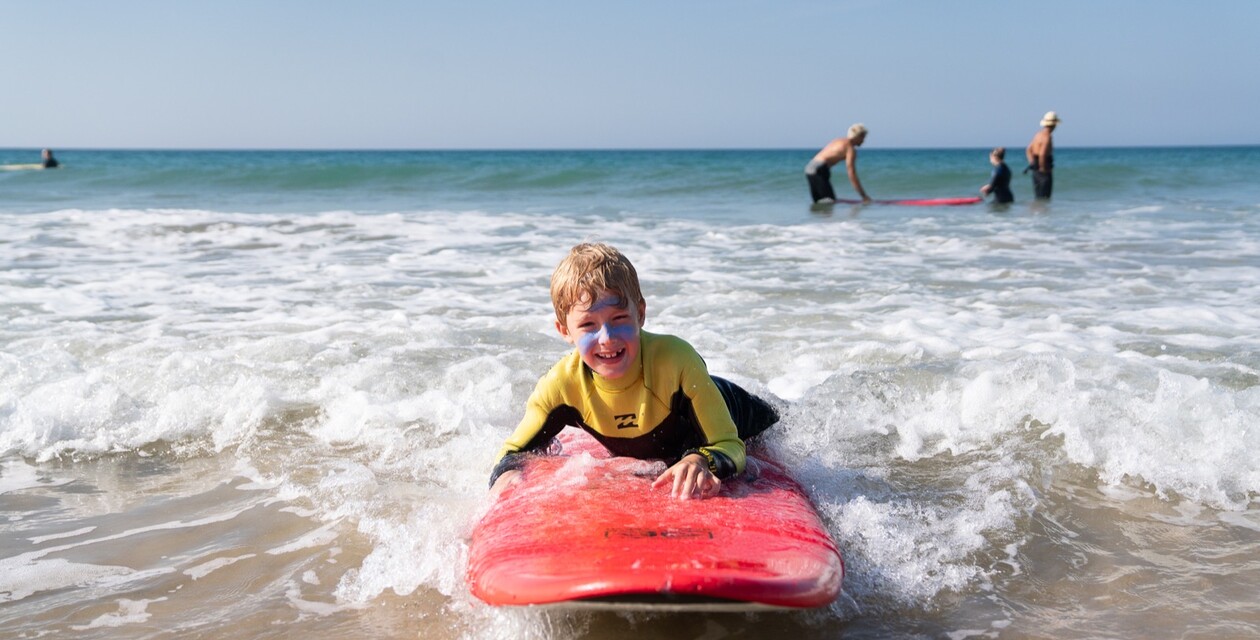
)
(589, 270)
(857, 130)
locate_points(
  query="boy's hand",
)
(690, 478)
(505, 480)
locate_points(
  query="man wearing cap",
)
(1040, 154)
(818, 171)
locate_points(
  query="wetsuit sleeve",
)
(721, 438)
(537, 428)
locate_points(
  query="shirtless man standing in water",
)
(1040, 153)
(818, 171)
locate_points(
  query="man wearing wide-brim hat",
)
(1040, 154)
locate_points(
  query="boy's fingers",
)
(680, 483)
(687, 484)
(688, 481)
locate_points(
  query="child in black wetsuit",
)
(1000, 182)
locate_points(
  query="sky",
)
(543, 74)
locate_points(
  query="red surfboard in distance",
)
(586, 530)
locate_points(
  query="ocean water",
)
(258, 394)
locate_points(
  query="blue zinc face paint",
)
(606, 335)
(587, 342)
(604, 303)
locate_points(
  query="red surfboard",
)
(922, 202)
(583, 529)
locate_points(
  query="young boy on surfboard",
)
(640, 394)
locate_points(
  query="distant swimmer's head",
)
(1051, 119)
(590, 270)
(857, 133)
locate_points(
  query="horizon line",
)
(590, 149)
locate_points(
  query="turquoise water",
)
(756, 185)
(258, 394)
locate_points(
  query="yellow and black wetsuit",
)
(666, 406)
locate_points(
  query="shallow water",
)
(259, 394)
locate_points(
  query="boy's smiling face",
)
(605, 334)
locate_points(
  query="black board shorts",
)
(1043, 184)
(819, 176)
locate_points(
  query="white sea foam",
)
(391, 354)
(16, 475)
(129, 612)
(1145, 209)
(206, 568)
(22, 578)
(59, 536)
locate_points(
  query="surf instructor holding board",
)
(818, 171)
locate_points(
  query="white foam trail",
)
(129, 612)
(394, 352)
